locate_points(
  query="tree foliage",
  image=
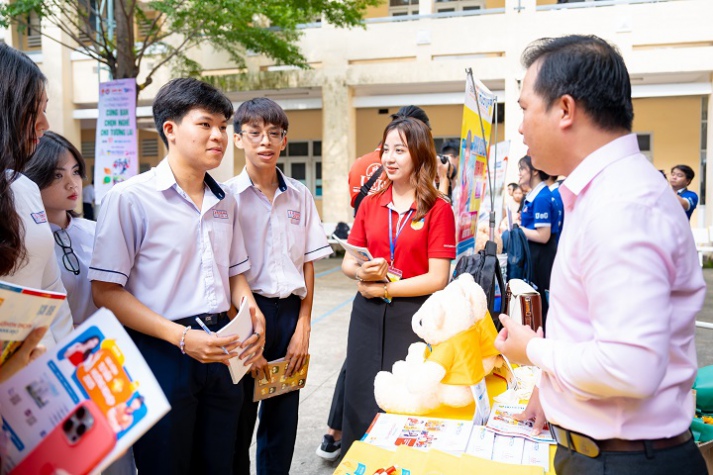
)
(169, 28)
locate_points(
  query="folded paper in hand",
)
(241, 325)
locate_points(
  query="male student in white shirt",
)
(169, 249)
(283, 236)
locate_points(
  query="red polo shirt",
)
(432, 237)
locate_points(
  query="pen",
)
(200, 322)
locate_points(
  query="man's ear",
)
(169, 128)
(238, 140)
(567, 111)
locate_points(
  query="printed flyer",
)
(21, 310)
(96, 374)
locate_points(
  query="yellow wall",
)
(675, 127)
(494, 3)
(379, 11)
(445, 122)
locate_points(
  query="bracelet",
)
(386, 292)
(182, 344)
(356, 275)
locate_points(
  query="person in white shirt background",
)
(88, 201)
(25, 237)
(57, 168)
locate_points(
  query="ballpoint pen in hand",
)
(200, 322)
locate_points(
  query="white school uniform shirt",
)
(79, 289)
(40, 270)
(280, 237)
(173, 257)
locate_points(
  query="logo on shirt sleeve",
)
(220, 214)
(293, 216)
(39, 217)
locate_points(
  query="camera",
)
(444, 159)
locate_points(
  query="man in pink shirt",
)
(619, 359)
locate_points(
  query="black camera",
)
(444, 159)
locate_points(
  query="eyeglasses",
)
(69, 259)
(255, 137)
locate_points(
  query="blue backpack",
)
(518, 250)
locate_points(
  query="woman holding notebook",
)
(409, 230)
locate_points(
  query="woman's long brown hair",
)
(21, 88)
(419, 142)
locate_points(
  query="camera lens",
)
(443, 158)
(81, 429)
(68, 424)
(81, 412)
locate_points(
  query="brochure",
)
(448, 435)
(501, 421)
(361, 254)
(278, 383)
(241, 325)
(21, 310)
(95, 374)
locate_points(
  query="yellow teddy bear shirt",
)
(462, 355)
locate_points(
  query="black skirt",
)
(379, 335)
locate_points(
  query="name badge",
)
(394, 274)
(39, 217)
(220, 214)
(293, 216)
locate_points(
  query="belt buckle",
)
(580, 443)
(210, 319)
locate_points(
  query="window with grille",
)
(89, 149)
(302, 160)
(149, 147)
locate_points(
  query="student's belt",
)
(585, 445)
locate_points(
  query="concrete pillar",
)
(425, 7)
(226, 170)
(57, 66)
(338, 148)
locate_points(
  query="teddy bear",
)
(458, 353)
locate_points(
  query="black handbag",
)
(485, 269)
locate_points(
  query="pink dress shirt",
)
(619, 359)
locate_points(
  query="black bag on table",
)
(485, 269)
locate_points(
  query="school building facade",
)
(416, 52)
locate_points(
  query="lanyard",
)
(392, 238)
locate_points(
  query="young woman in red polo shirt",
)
(409, 229)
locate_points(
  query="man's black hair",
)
(412, 111)
(590, 70)
(179, 96)
(688, 171)
(450, 147)
(260, 109)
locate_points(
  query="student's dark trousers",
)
(198, 433)
(277, 429)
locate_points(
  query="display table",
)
(365, 459)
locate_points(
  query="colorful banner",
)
(497, 166)
(117, 157)
(475, 140)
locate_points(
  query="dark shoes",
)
(330, 449)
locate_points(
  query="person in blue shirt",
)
(538, 220)
(681, 176)
(554, 185)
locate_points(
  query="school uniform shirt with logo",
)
(173, 257)
(79, 289)
(281, 236)
(538, 210)
(692, 199)
(40, 270)
(433, 236)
